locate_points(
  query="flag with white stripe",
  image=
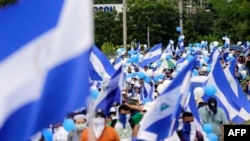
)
(44, 63)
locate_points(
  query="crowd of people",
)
(123, 121)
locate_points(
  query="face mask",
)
(123, 119)
(81, 126)
(186, 126)
(98, 126)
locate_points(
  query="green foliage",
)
(108, 48)
(4, 3)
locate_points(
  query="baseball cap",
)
(212, 103)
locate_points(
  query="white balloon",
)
(205, 53)
(149, 73)
(198, 92)
(216, 43)
(112, 60)
(239, 43)
(202, 61)
(184, 55)
(141, 56)
(163, 56)
(154, 65)
(129, 80)
(203, 68)
(157, 72)
(174, 74)
(160, 88)
(244, 72)
(230, 55)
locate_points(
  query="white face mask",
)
(81, 126)
(98, 126)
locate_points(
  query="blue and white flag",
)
(118, 63)
(224, 95)
(44, 63)
(100, 66)
(110, 93)
(149, 91)
(153, 55)
(244, 114)
(138, 48)
(166, 108)
(170, 47)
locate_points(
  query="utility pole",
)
(181, 15)
(148, 38)
(124, 25)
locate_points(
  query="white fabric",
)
(43, 53)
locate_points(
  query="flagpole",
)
(124, 25)
(148, 37)
(181, 15)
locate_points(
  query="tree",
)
(4, 3)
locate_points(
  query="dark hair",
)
(187, 114)
(123, 107)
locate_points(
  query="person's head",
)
(145, 68)
(129, 70)
(80, 121)
(137, 88)
(124, 109)
(98, 123)
(187, 117)
(212, 105)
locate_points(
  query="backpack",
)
(199, 136)
(131, 122)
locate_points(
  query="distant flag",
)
(110, 92)
(149, 91)
(170, 47)
(138, 49)
(118, 63)
(44, 64)
(153, 55)
(164, 111)
(100, 66)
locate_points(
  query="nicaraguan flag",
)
(225, 95)
(118, 63)
(244, 114)
(153, 55)
(110, 92)
(166, 108)
(100, 66)
(44, 63)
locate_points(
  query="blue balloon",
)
(195, 72)
(147, 79)
(141, 75)
(168, 57)
(156, 79)
(206, 59)
(210, 90)
(47, 134)
(146, 100)
(208, 69)
(178, 29)
(207, 128)
(161, 76)
(190, 58)
(212, 137)
(69, 125)
(94, 93)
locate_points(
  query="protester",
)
(99, 131)
(188, 131)
(214, 115)
(80, 123)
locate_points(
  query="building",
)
(108, 7)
